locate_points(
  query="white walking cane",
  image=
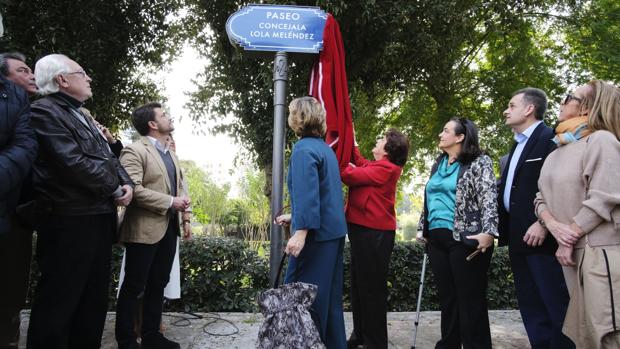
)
(417, 311)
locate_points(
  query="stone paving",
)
(239, 330)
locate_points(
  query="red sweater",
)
(372, 192)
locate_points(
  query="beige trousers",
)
(593, 316)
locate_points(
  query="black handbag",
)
(471, 229)
(472, 243)
(288, 323)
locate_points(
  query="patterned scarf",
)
(571, 130)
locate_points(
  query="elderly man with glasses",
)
(77, 184)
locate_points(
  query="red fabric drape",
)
(328, 84)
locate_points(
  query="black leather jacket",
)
(75, 173)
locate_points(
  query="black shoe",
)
(158, 341)
(12, 345)
(129, 345)
(353, 342)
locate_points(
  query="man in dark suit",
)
(539, 282)
(18, 149)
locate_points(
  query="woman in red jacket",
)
(371, 221)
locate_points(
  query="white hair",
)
(47, 69)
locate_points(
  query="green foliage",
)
(417, 64)
(225, 275)
(209, 199)
(114, 41)
(409, 228)
(248, 216)
(501, 292)
(220, 274)
(594, 37)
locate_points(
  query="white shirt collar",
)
(525, 135)
(157, 144)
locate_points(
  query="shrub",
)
(224, 275)
(220, 274)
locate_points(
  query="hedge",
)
(224, 275)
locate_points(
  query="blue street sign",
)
(277, 28)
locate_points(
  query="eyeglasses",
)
(80, 72)
(570, 97)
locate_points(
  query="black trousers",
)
(543, 299)
(371, 250)
(462, 287)
(15, 255)
(71, 302)
(147, 271)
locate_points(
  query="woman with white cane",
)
(460, 223)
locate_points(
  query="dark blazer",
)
(18, 147)
(316, 190)
(514, 225)
(372, 192)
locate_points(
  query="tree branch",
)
(566, 19)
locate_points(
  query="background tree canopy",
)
(410, 64)
(414, 65)
(115, 41)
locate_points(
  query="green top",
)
(441, 195)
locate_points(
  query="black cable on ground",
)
(212, 318)
(183, 321)
(215, 318)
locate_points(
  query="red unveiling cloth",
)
(328, 84)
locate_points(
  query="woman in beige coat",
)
(578, 203)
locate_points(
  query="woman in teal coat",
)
(317, 219)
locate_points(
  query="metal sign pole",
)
(280, 78)
(281, 29)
